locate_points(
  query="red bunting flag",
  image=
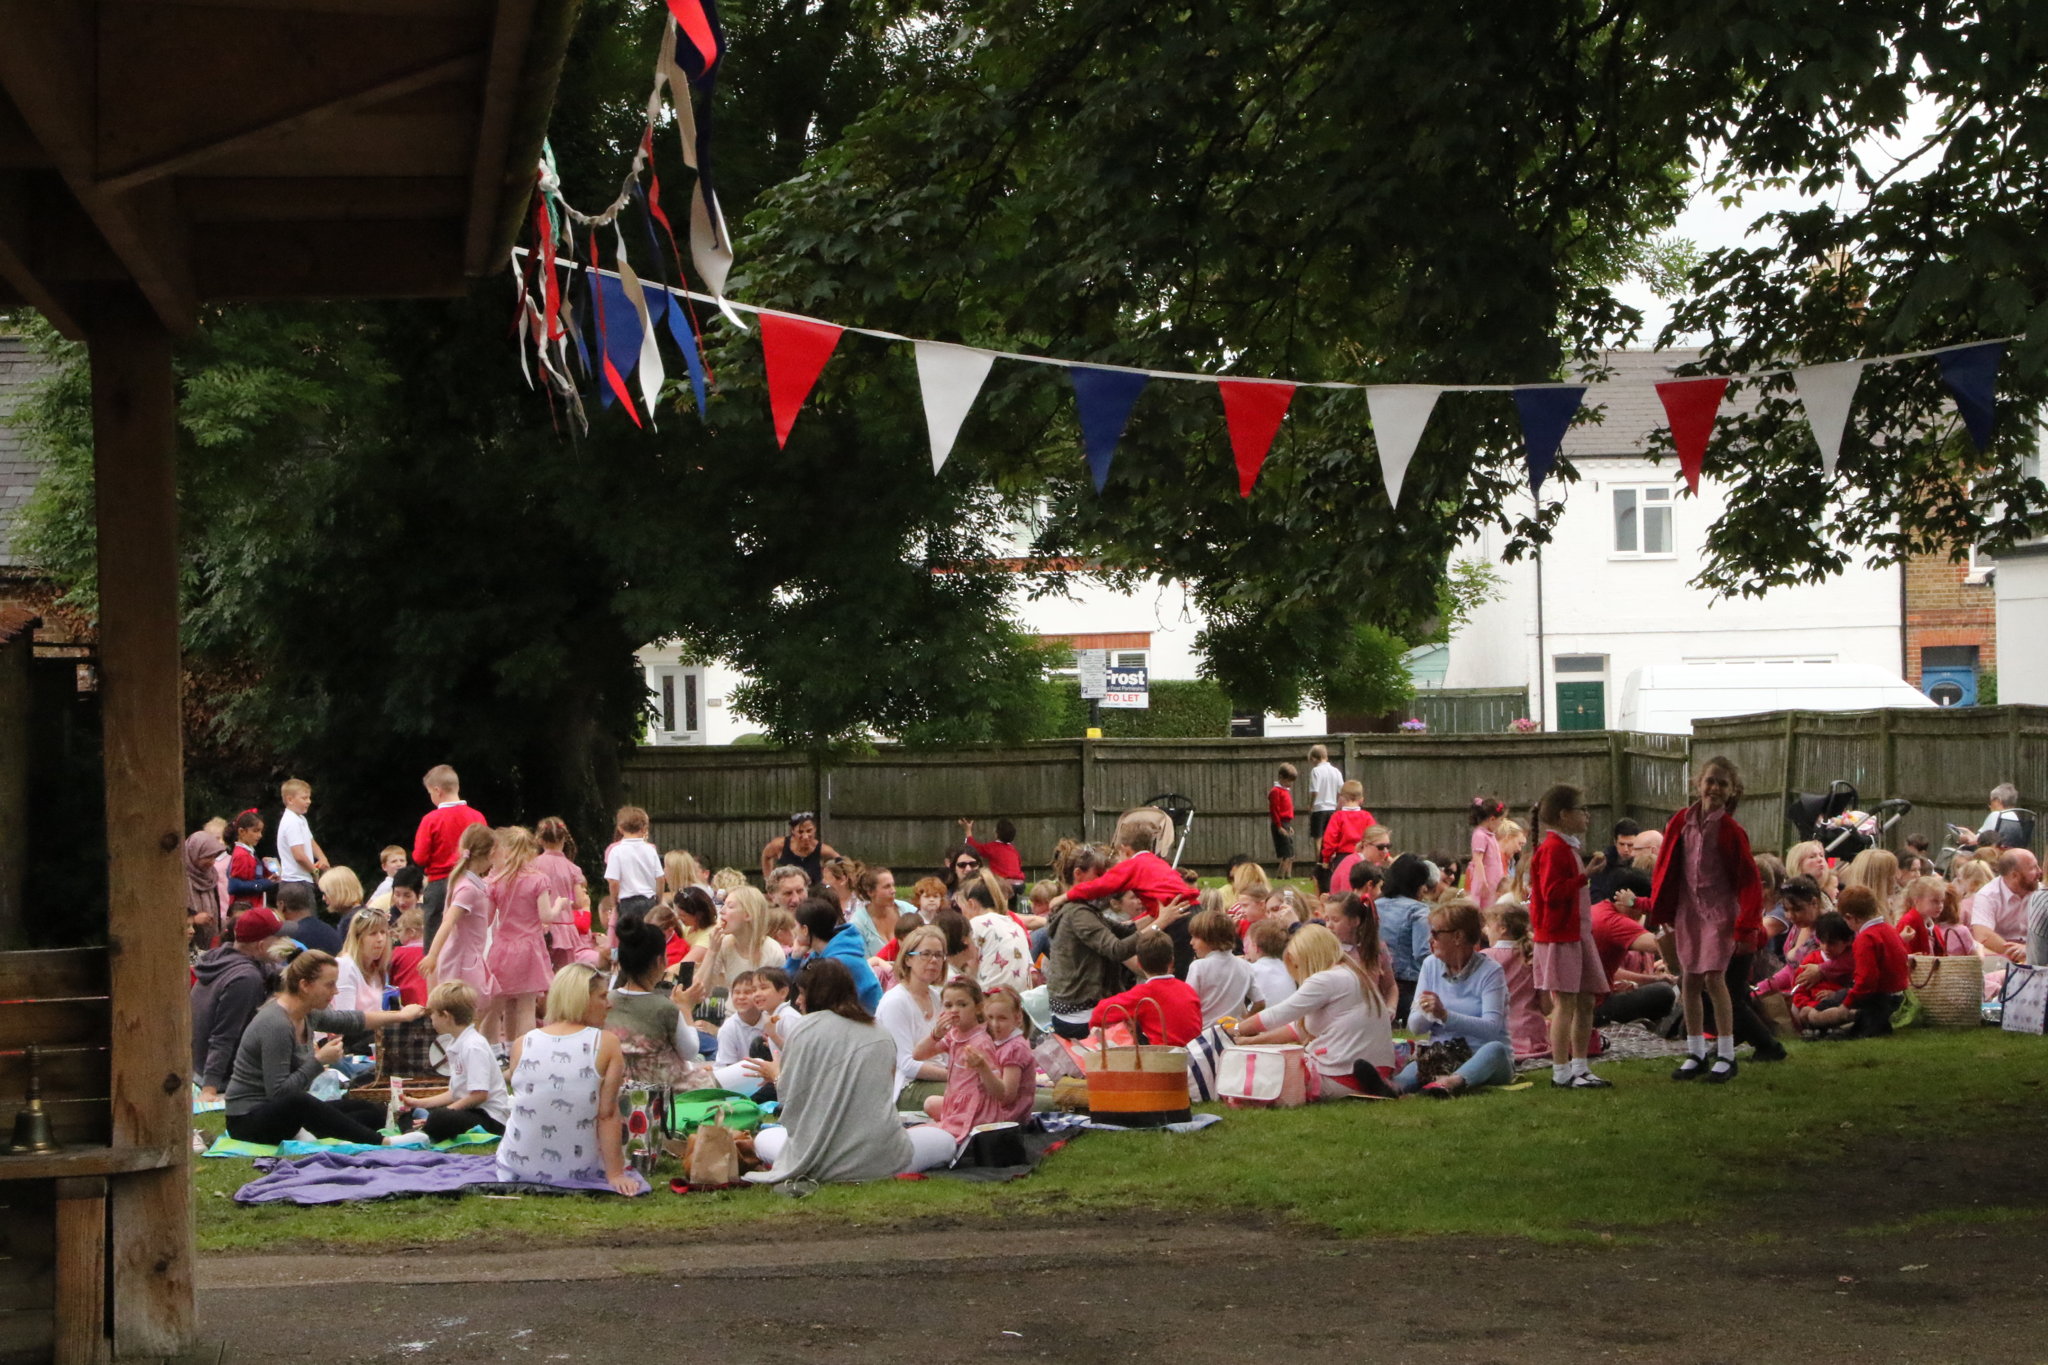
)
(696, 26)
(1690, 404)
(1253, 411)
(795, 350)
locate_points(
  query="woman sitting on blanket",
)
(565, 1126)
(837, 1084)
(269, 1095)
(1337, 1008)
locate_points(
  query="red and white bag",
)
(1267, 1076)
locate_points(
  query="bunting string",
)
(797, 348)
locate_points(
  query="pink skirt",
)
(518, 965)
(1572, 968)
(1706, 937)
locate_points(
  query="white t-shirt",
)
(635, 866)
(1270, 982)
(472, 1067)
(1324, 781)
(1223, 980)
(736, 1037)
(899, 1014)
(293, 831)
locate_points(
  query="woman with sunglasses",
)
(962, 864)
(801, 847)
(910, 1008)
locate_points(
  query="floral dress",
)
(1005, 952)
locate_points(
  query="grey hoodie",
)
(231, 987)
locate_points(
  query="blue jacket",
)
(849, 947)
(1404, 931)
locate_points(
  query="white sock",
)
(1577, 1066)
(1585, 1065)
(1560, 1071)
(1724, 1047)
(1696, 1045)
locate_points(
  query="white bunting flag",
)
(1826, 392)
(951, 377)
(651, 370)
(1399, 413)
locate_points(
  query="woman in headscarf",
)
(206, 882)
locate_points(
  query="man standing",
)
(435, 846)
(1998, 915)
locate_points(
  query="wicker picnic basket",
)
(1140, 1085)
(1950, 989)
(407, 1051)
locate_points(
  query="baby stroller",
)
(1832, 819)
(1181, 811)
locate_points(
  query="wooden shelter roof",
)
(266, 149)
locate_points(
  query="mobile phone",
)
(686, 974)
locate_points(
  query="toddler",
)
(476, 1096)
(1822, 977)
(1509, 944)
(1003, 1013)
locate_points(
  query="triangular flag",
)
(619, 331)
(1546, 411)
(1971, 373)
(1252, 411)
(652, 371)
(1105, 398)
(1827, 392)
(1690, 405)
(686, 340)
(951, 377)
(1399, 413)
(795, 350)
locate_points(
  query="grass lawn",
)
(1534, 1163)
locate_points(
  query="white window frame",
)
(683, 678)
(1643, 503)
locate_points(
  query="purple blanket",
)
(389, 1173)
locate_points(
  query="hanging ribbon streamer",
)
(795, 351)
(1690, 406)
(1253, 411)
(1971, 373)
(1399, 412)
(950, 378)
(1546, 411)
(1104, 398)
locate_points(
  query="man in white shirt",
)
(299, 857)
(1998, 914)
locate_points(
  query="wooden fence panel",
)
(1226, 779)
(1421, 786)
(720, 804)
(1470, 711)
(900, 808)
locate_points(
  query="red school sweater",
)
(437, 844)
(1180, 1005)
(1280, 804)
(1555, 880)
(1881, 966)
(999, 858)
(1148, 874)
(1342, 834)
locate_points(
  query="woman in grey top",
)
(268, 1098)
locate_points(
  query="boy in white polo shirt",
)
(299, 858)
(632, 866)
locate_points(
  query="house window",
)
(1642, 522)
(1128, 658)
(1580, 663)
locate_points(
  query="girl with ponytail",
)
(1561, 916)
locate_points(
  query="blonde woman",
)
(739, 942)
(1876, 870)
(679, 871)
(1811, 860)
(1245, 877)
(910, 1008)
(363, 971)
(1972, 875)
(1336, 1009)
(1513, 839)
(343, 892)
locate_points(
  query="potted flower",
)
(1522, 725)
(1414, 725)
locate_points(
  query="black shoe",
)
(1722, 1071)
(1689, 1069)
(1586, 1080)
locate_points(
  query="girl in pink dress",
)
(457, 952)
(517, 960)
(1003, 1012)
(978, 1091)
(1489, 869)
(569, 937)
(1507, 930)
(1707, 889)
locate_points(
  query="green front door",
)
(1582, 706)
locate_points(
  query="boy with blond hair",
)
(437, 843)
(299, 857)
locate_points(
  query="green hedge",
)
(1180, 710)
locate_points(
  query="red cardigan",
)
(1749, 888)
(1555, 879)
(1148, 874)
(1881, 965)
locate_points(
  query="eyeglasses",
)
(923, 952)
(1447, 933)
(967, 865)
(1381, 847)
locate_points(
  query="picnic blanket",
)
(331, 1177)
(225, 1146)
(1069, 1123)
(1033, 1142)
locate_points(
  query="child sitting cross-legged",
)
(1880, 976)
(1221, 978)
(1178, 1017)
(1821, 977)
(476, 1096)
(984, 1077)
(754, 1032)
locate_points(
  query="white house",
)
(2021, 580)
(1612, 593)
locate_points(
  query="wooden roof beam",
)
(433, 74)
(527, 41)
(16, 269)
(49, 68)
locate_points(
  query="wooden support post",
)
(1888, 761)
(81, 1306)
(1087, 791)
(1617, 778)
(134, 467)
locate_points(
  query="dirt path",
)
(1155, 1290)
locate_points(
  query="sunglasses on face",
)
(966, 866)
(1381, 847)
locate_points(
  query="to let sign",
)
(1126, 689)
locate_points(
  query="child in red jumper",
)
(1706, 887)
(1881, 969)
(1348, 824)
(1142, 835)
(1280, 813)
(1178, 1017)
(999, 857)
(1820, 979)
(1567, 963)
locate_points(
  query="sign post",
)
(1094, 669)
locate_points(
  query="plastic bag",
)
(328, 1085)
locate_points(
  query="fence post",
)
(821, 788)
(1351, 773)
(1617, 778)
(1087, 791)
(1888, 757)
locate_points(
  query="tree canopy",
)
(395, 557)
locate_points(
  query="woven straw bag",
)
(1950, 989)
